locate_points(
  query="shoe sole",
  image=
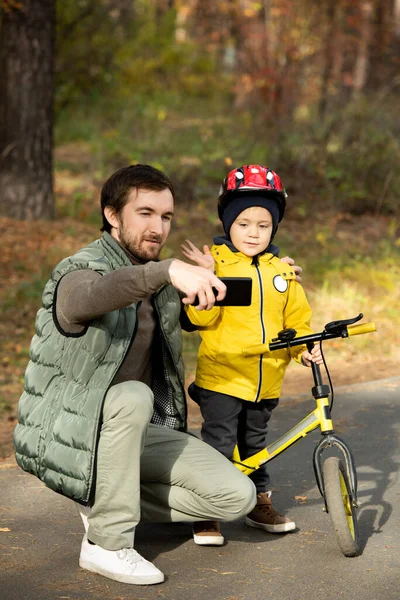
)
(282, 528)
(208, 540)
(135, 580)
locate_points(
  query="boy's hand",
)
(196, 282)
(314, 356)
(298, 270)
(203, 259)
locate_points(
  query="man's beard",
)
(135, 246)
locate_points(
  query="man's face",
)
(144, 223)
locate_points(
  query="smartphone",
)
(238, 292)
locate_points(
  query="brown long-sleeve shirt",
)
(84, 295)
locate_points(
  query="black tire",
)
(340, 507)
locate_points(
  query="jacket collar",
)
(114, 250)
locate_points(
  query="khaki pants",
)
(150, 473)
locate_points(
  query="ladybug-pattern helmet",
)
(248, 179)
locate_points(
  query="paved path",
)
(40, 532)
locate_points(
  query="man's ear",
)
(111, 216)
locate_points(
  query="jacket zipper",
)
(256, 263)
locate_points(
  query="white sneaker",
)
(124, 565)
(84, 512)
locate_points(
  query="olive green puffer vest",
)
(67, 378)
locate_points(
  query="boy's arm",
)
(297, 315)
(203, 318)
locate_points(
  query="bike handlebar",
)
(342, 330)
(363, 328)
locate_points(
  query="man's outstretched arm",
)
(84, 295)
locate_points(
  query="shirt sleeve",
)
(84, 295)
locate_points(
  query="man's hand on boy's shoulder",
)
(298, 270)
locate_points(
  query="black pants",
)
(229, 421)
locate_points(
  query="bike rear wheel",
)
(340, 506)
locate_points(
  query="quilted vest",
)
(68, 376)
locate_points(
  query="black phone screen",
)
(238, 292)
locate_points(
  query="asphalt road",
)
(41, 532)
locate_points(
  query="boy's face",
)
(251, 231)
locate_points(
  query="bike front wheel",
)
(340, 506)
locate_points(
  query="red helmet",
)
(252, 178)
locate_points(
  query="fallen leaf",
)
(218, 572)
(4, 529)
(301, 499)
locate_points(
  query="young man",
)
(102, 418)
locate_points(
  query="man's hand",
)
(298, 270)
(314, 356)
(202, 259)
(196, 281)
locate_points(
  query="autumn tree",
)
(26, 108)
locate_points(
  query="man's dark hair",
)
(115, 191)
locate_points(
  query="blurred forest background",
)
(195, 87)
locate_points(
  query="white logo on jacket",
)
(280, 284)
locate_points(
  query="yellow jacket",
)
(278, 302)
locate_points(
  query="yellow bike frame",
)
(320, 417)
(317, 418)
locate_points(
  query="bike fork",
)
(321, 392)
(330, 440)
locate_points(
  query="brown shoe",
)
(264, 516)
(207, 533)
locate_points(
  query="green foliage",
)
(350, 165)
(363, 170)
(350, 161)
(30, 290)
(103, 60)
(136, 93)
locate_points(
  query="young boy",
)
(236, 395)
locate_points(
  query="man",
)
(102, 418)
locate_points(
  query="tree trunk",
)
(329, 55)
(362, 61)
(26, 109)
(396, 12)
(395, 49)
